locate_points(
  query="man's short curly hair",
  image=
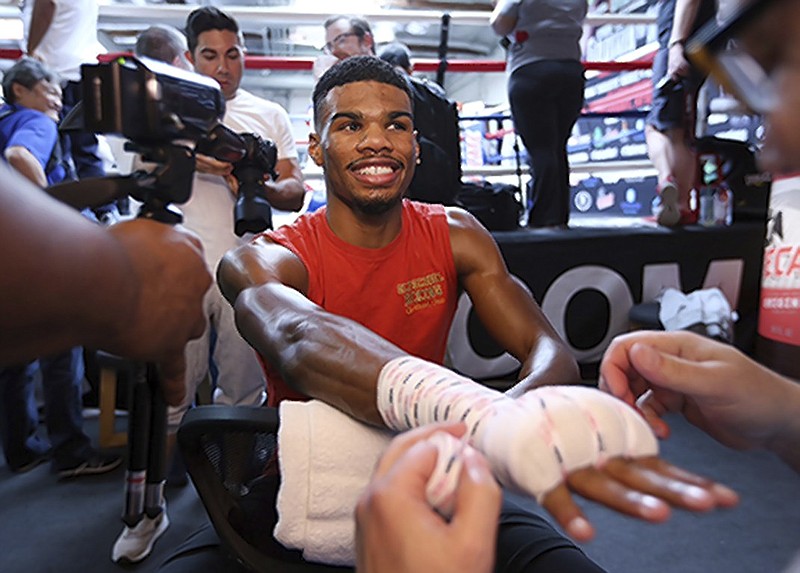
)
(356, 69)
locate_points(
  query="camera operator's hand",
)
(233, 184)
(212, 166)
(170, 278)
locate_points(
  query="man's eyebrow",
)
(345, 115)
(354, 115)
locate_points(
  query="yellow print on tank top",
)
(422, 292)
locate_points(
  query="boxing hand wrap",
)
(533, 442)
(554, 430)
(413, 392)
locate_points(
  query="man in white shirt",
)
(216, 50)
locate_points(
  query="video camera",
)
(159, 108)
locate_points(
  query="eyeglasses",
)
(741, 52)
(337, 41)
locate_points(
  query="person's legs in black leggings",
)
(546, 99)
(527, 543)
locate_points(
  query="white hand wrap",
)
(531, 443)
(554, 430)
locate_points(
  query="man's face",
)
(342, 42)
(219, 55)
(367, 146)
(44, 97)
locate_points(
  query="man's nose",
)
(375, 137)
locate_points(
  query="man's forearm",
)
(54, 295)
(41, 18)
(685, 14)
(504, 16)
(26, 163)
(322, 355)
(549, 363)
(286, 194)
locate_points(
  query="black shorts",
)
(526, 542)
(669, 107)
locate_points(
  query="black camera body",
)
(148, 101)
(156, 106)
(252, 212)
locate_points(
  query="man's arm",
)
(287, 193)
(685, 14)
(41, 18)
(320, 354)
(135, 289)
(21, 159)
(507, 309)
(504, 16)
(340, 362)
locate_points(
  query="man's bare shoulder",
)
(460, 219)
(472, 245)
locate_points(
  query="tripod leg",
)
(145, 513)
(138, 438)
(157, 453)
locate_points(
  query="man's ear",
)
(19, 90)
(315, 148)
(369, 41)
(189, 57)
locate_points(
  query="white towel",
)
(327, 459)
(707, 307)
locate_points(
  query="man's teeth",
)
(375, 170)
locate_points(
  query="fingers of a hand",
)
(405, 441)
(207, 164)
(618, 376)
(649, 477)
(478, 496)
(652, 410)
(473, 527)
(666, 369)
(173, 379)
(559, 503)
(596, 485)
(722, 495)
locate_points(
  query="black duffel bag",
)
(497, 205)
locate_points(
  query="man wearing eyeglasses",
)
(345, 36)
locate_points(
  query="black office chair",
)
(231, 454)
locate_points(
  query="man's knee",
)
(528, 543)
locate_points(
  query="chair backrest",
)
(231, 453)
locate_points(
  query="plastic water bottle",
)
(724, 204)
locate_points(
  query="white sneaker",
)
(136, 543)
(667, 211)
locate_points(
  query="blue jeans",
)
(62, 376)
